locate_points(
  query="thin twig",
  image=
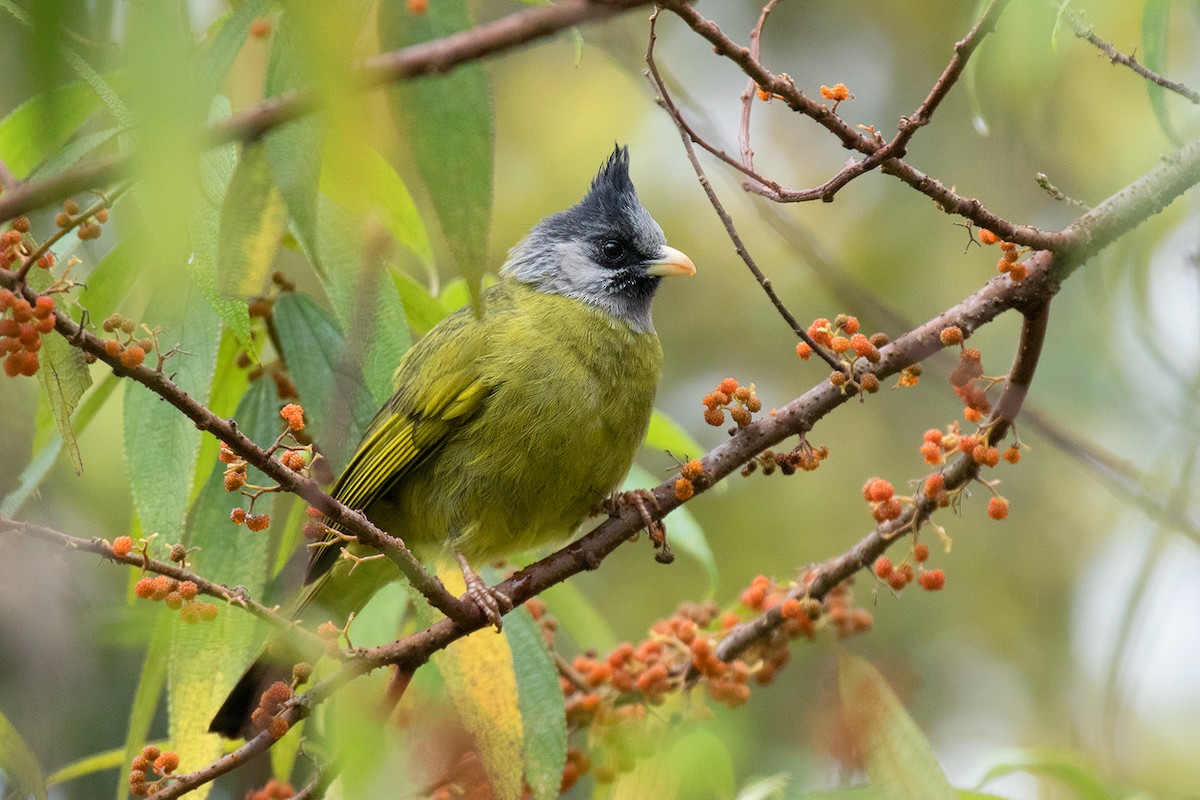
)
(726, 220)
(1086, 33)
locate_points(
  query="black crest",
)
(612, 190)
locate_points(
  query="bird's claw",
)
(642, 500)
(491, 601)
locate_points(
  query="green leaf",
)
(43, 124)
(1156, 29)
(540, 699)
(448, 119)
(294, 149)
(161, 444)
(1068, 768)
(683, 531)
(204, 226)
(70, 155)
(18, 762)
(39, 466)
(1059, 18)
(421, 308)
(229, 36)
(151, 681)
(579, 616)
(63, 375)
(900, 761)
(338, 407)
(695, 766)
(669, 436)
(367, 186)
(207, 658)
(252, 223)
(366, 302)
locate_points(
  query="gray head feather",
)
(597, 250)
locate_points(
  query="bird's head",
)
(605, 250)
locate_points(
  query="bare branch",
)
(1086, 33)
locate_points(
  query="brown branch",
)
(686, 137)
(1115, 56)
(136, 559)
(352, 522)
(427, 58)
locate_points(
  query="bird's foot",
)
(491, 601)
(642, 501)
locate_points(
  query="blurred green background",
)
(1071, 626)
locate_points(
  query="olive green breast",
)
(568, 395)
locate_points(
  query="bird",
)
(507, 426)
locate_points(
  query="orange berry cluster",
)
(804, 456)
(899, 576)
(844, 337)
(131, 352)
(740, 401)
(689, 474)
(937, 446)
(21, 327)
(15, 246)
(274, 790)
(151, 758)
(273, 700)
(261, 29)
(295, 458)
(89, 227)
(179, 596)
(881, 497)
(122, 546)
(838, 92)
(1008, 256)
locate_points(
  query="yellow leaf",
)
(478, 672)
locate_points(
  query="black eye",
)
(612, 251)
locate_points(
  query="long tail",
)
(233, 718)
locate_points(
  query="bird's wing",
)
(440, 386)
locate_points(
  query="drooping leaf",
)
(1156, 30)
(421, 308)
(669, 436)
(161, 444)
(151, 681)
(18, 762)
(543, 714)
(366, 302)
(63, 376)
(39, 466)
(479, 676)
(217, 166)
(294, 149)
(207, 658)
(253, 218)
(448, 119)
(900, 761)
(367, 185)
(338, 406)
(43, 124)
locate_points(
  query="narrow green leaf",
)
(18, 762)
(540, 699)
(366, 302)
(252, 222)
(63, 376)
(368, 186)
(448, 119)
(421, 308)
(338, 407)
(1059, 19)
(900, 761)
(294, 149)
(43, 124)
(204, 226)
(111, 280)
(161, 444)
(207, 658)
(70, 155)
(39, 466)
(669, 436)
(683, 531)
(228, 36)
(1156, 29)
(1068, 768)
(151, 681)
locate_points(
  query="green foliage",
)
(18, 762)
